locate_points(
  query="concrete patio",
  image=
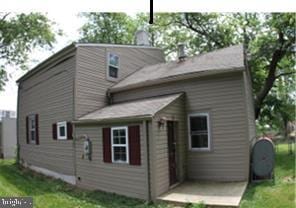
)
(224, 194)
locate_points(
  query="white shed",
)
(8, 138)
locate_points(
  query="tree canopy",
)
(117, 28)
(19, 34)
(269, 39)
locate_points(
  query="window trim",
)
(30, 129)
(120, 145)
(207, 114)
(61, 124)
(108, 64)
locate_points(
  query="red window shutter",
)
(54, 131)
(69, 130)
(27, 129)
(134, 145)
(37, 128)
(107, 145)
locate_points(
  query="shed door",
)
(171, 130)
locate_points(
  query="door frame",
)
(172, 159)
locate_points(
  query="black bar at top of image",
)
(151, 12)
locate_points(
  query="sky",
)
(70, 24)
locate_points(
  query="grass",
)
(50, 193)
(279, 194)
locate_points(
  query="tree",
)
(19, 34)
(279, 105)
(117, 28)
(272, 54)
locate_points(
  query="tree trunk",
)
(286, 130)
(271, 77)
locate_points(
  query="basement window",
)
(119, 140)
(199, 131)
(113, 66)
(62, 130)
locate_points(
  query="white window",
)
(119, 141)
(62, 130)
(32, 129)
(199, 131)
(113, 66)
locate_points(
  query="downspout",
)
(17, 127)
(74, 116)
(146, 123)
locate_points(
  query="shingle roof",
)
(226, 59)
(143, 108)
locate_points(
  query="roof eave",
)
(114, 45)
(112, 120)
(175, 78)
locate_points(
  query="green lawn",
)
(280, 194)
(49, 193)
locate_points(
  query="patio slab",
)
(225, 194)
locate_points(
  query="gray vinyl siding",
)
(123, 179)
(174, 112)
(250, 108)
(49, 93)
(91, 75)
(223, 97)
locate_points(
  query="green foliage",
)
(279, 106)
(199, 205)
(19, 34)
(117, 28)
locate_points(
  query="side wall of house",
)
(250, 108)
(49, 93)
(223, 97)
(174, 112)
(91, 76)
(95, 174)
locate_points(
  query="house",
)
(7, 114)
(7, 134)
(118, 118)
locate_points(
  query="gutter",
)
(106, 121)
(146, 124)
(178, 77)
(115, 45)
